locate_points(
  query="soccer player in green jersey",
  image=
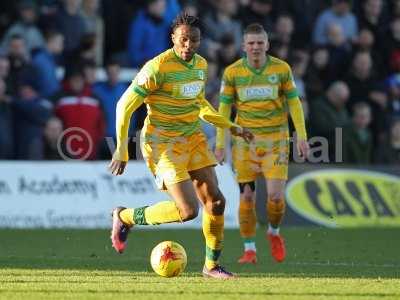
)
(175, 149)
(263, 91)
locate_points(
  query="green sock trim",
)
(274, 226)
(249, 240)
(138, 216)
(212, 254)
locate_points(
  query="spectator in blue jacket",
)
(149, 32)
(109, 92)
(45, 61)
(340, 13)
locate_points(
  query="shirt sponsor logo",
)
(192, 89)
(258, 92)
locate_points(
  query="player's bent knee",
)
(276, 197)
(189, 212)
(247, 195)
(216, 203)
(247, 189)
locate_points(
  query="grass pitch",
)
(80, 264)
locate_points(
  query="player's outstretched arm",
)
(210, 115)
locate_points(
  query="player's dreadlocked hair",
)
(185, 19)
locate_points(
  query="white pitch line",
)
(343, 264)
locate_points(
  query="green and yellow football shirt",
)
(260, 96)
(173, 91)
(171, 88)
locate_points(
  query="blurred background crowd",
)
(345, 58)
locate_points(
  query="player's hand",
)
(117, 167)
(303, 148)
(242, 132)
(220, 155)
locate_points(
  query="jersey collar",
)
(189, 64)
(254, 70)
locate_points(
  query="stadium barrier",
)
(82, 194)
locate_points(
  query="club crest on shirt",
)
(201, 74)
(273, 78)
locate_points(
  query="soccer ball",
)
(168, 259)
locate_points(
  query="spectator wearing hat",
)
(339, 13)
(25, 27)
(31, 113)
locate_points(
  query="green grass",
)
(80, 264)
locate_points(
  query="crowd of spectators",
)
(345, 57)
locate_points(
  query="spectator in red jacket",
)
(82, 118)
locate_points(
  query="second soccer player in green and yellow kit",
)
(263, 91)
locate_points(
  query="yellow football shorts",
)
(170, 162)
(266, 155)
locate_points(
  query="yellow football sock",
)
(126, 216)
(275, 212)
(247, 219)
(162, 212)
(213, 230)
